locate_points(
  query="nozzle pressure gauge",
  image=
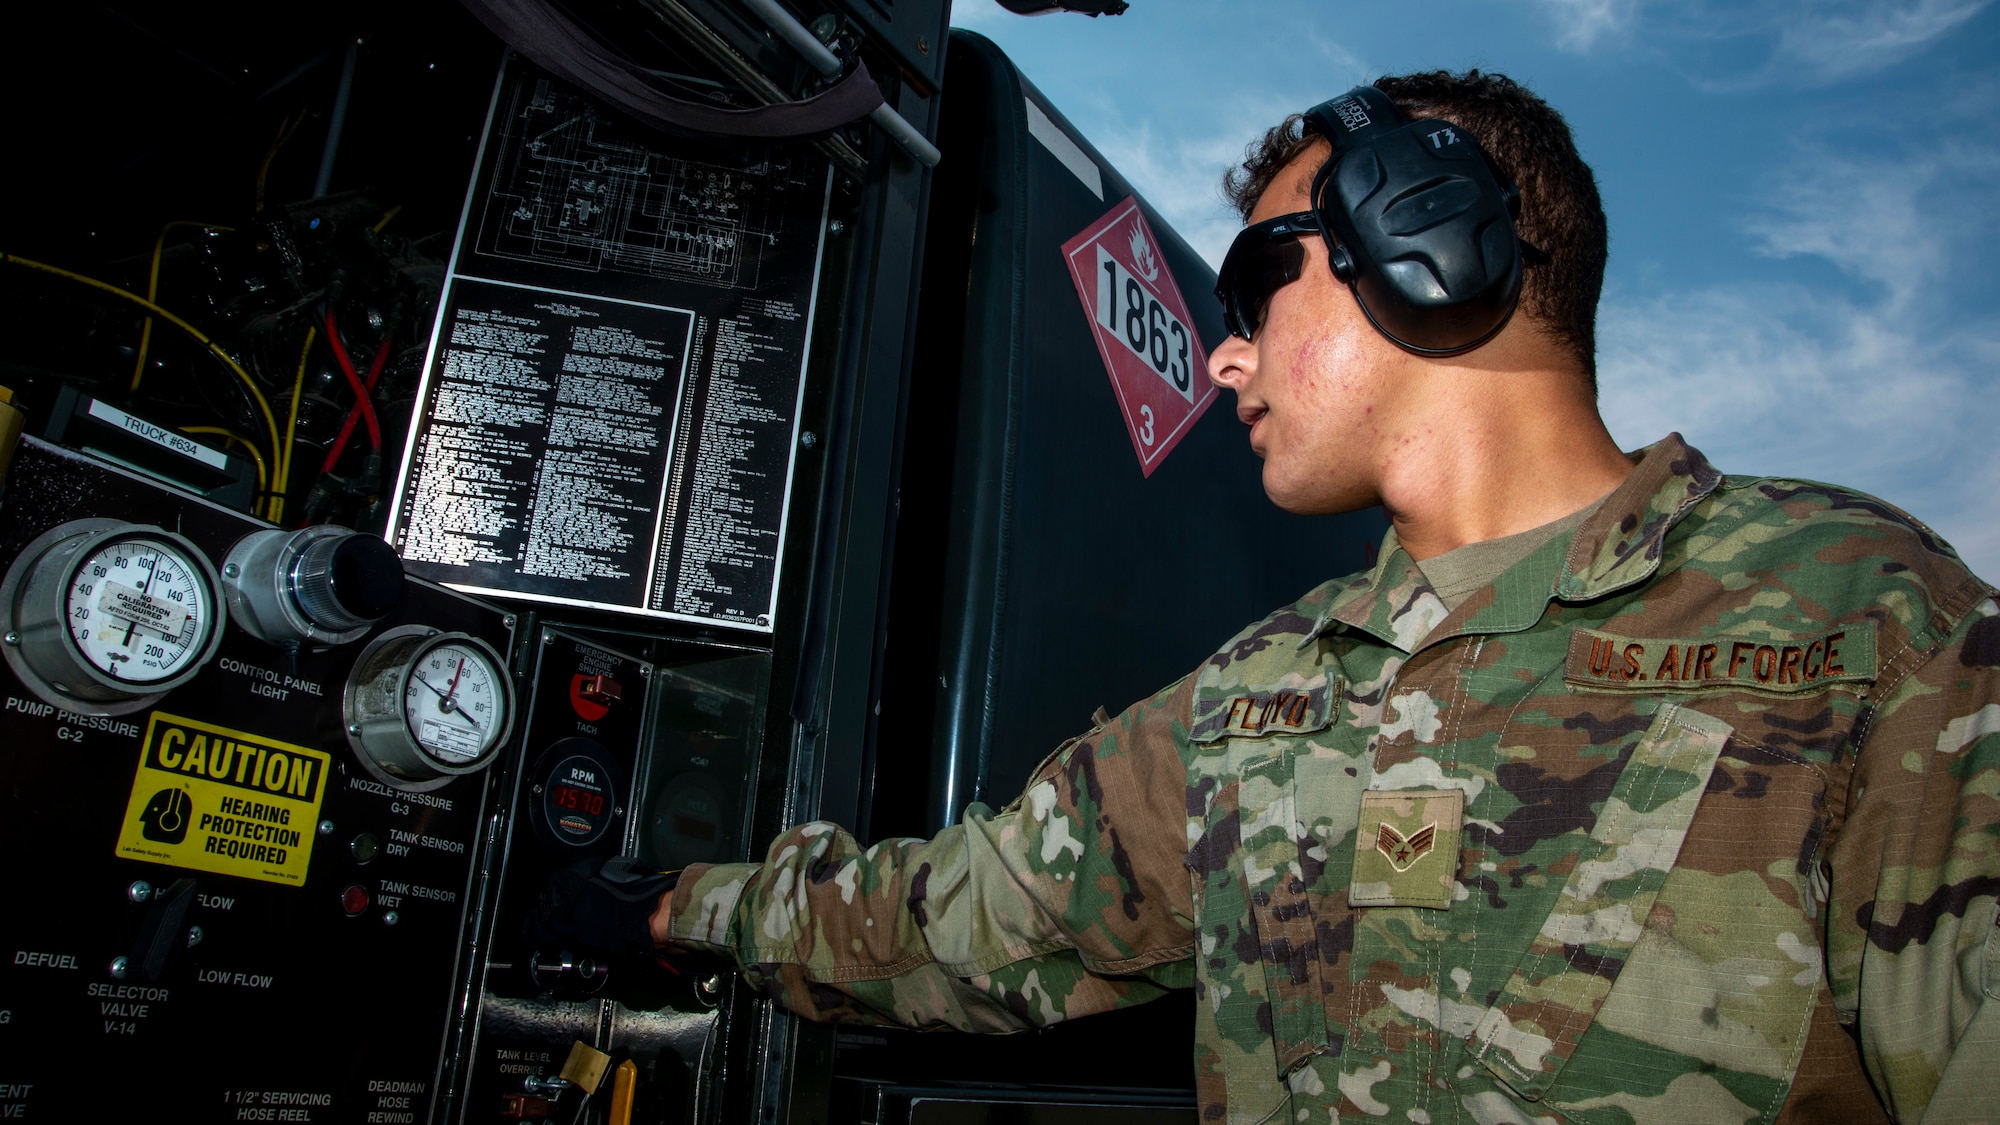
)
(423, 707)
(105, 617)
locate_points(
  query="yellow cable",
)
(386, 216)
(153, 291)
(255, 457)
(284, 482)
(257, 396)
(286, 127)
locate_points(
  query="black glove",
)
(605, 906)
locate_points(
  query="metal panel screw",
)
(354, 729)
(763, 621)
(808, 438)
(390, 917)
(231, 570)
(139, 891)
(836, 227)
(548, 638)
(13, 638)
(508, 621)
(119, 966)
(326, 828)
(923, 45)
(194, 936)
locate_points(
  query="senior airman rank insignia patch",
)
(1406, 849)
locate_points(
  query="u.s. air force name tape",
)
(1758, 663)
(214, 799)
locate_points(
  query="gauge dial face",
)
(455, 702)
(138, 609)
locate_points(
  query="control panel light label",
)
(214, 799)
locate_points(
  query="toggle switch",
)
(600, 689)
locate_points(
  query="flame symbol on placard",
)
(1142, 254)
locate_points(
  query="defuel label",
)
(214, 799)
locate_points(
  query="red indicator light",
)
(354, 900)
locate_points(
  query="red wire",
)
(364, 406)
(355, 413)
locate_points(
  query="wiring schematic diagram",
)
(575, 188)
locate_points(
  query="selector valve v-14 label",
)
(213, 799)
(1143, 329)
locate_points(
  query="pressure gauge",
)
(105, 617)
(423, 707)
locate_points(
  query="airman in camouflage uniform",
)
(1691, 814)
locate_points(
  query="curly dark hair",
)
(1561, 213)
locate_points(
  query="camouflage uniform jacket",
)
(1692, 816)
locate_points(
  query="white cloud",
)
(1790, 42)
(1580, 25)
(1891, 387)
(1896, 222)
(1831, 41)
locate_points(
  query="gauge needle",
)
(445, 702)
(144, 589)
(454, 678)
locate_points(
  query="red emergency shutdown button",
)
(1157, 365)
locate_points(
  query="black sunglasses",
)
(1265, 258)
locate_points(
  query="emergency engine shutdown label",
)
(1143, 330)
(214, 799)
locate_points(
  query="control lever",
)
(564, 970)
(158, 934)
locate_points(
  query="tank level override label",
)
(213, 799)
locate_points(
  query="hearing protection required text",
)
(213, 799)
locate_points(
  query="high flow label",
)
(214, 799)
(1143, 329)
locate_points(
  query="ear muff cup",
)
(1424, 225)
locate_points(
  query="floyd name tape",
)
(209, 798)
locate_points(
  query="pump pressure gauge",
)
(105, 617)
(423, 707)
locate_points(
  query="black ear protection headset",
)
(1416, 220)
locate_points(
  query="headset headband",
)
(1355, 118)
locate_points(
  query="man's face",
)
(1317, 386)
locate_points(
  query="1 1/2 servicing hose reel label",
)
(214, 799)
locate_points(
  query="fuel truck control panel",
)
(244, 776)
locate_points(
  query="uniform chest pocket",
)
(1280, 862)
(1554, 994)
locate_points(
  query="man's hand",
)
(605, 906)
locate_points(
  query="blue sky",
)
(1805, 242)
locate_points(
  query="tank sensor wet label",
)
(213, 799)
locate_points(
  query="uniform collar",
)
(1620, 545)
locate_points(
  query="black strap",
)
(546, 36)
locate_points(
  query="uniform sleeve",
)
(1073, 899)
(1913, 955)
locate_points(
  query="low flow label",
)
(214, 799)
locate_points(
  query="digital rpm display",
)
(576, 796)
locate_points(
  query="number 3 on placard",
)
(1146, 427)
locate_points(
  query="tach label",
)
(1157, 365)
(214, 799)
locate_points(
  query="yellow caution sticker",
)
(222, 800)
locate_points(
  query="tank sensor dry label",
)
(214, 799)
